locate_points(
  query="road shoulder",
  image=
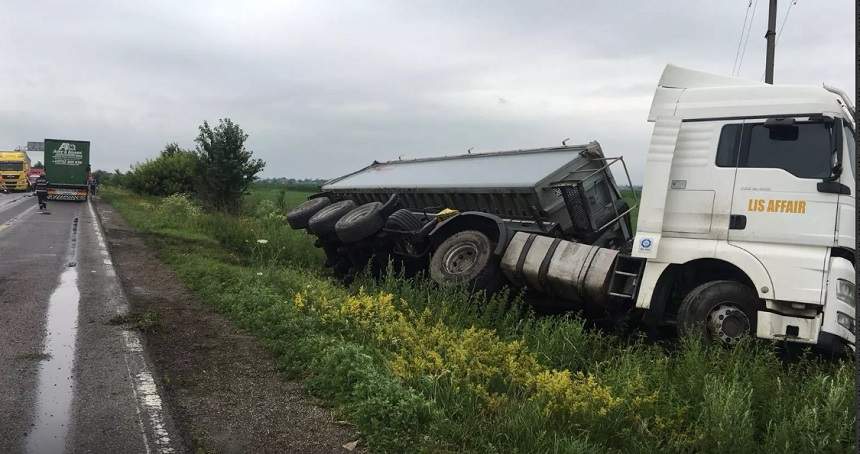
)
(222, 387)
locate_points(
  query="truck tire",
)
(322, 223)
(299, 216)
(398, 250)
(390, 206)
(360, 223)
(403, 220)
(466, 258)
(722, 312)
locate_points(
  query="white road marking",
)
(14, 202)
(16, 218)
(146, 397)
(131, 342)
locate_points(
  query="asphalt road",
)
(72, 377)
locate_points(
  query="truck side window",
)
(727, 150)
(808, 155)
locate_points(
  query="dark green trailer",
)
(67, 166)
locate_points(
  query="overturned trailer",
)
(563, 191)
(455, 216)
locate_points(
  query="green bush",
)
(172, 172)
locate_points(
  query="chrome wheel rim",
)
(728, 323)
(461, 258)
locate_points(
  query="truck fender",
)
(737, 257)
(473, 220)
(751, 266)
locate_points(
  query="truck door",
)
(780, 213)
(845, 235)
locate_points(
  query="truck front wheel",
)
(466, 258)
(721, 311)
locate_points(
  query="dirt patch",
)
(146, 322)
(221, 386)
(36, 356)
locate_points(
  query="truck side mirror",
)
(836, 146)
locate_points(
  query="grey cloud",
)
(325, 87)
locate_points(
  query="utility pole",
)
(771, 42)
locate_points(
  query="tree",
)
(225, 168)
(172, 149)
(38, 165)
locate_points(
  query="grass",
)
(34, 356)
(423, 369)
(282, 196)
(632, 200)
(147, 322)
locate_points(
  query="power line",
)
(749, 30)
(741, 38)
(784, 20)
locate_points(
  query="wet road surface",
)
(71, 378)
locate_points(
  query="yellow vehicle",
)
(14, 166)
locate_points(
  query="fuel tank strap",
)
(544, 265)
(524, 253)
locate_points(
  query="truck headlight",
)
(845, 321)
(845, 291)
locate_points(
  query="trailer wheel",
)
(322, 223)
(403, 220)
(466, 258)
(390, 206)
(299, 216)
(721, 311)
(360, 223)
(396, 248)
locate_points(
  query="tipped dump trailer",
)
(562, 191)
(745, 227)
(410, 208)
(67, 166)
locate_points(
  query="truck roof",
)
(13, 154)
(523, 169)
(688, 94)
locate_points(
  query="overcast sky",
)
(324, 88)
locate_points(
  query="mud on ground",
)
(221, 386)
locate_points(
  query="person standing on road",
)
(42, 191)
(91, 180)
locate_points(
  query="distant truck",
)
(14, 166)
(67, 165)
(745, 228)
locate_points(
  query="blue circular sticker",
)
(645, 243)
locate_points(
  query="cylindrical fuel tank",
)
(568, 270)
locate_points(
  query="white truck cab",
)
(747, 216)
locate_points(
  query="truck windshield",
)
(11, 166)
